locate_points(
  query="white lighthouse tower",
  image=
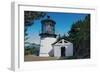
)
(47, 36)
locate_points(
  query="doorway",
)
(63, 51)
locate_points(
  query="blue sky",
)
(63, 21)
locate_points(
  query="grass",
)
(37, 58)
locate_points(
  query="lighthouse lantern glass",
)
(48, 27)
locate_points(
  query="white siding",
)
(57, 51)
(69, 50)
(46, 46)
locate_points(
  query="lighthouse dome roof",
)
(48, 19)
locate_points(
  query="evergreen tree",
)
(29, 18)
(79, 35)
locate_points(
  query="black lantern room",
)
(48, 28)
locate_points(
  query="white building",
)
(49, 46)
(62, 48)
(46, 46)
(47, 37)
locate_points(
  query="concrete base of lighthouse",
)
(46, 47)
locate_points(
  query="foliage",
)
(79, 35)
(32, 49)
(29, 18)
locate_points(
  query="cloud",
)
(34, 39)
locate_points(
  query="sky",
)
(63, 21)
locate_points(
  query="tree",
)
(79, 35)
(32, 49)
(29, 18)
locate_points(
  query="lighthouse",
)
(47, 37)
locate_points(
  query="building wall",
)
(68, 50)
(57, 51)
(46, 46)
